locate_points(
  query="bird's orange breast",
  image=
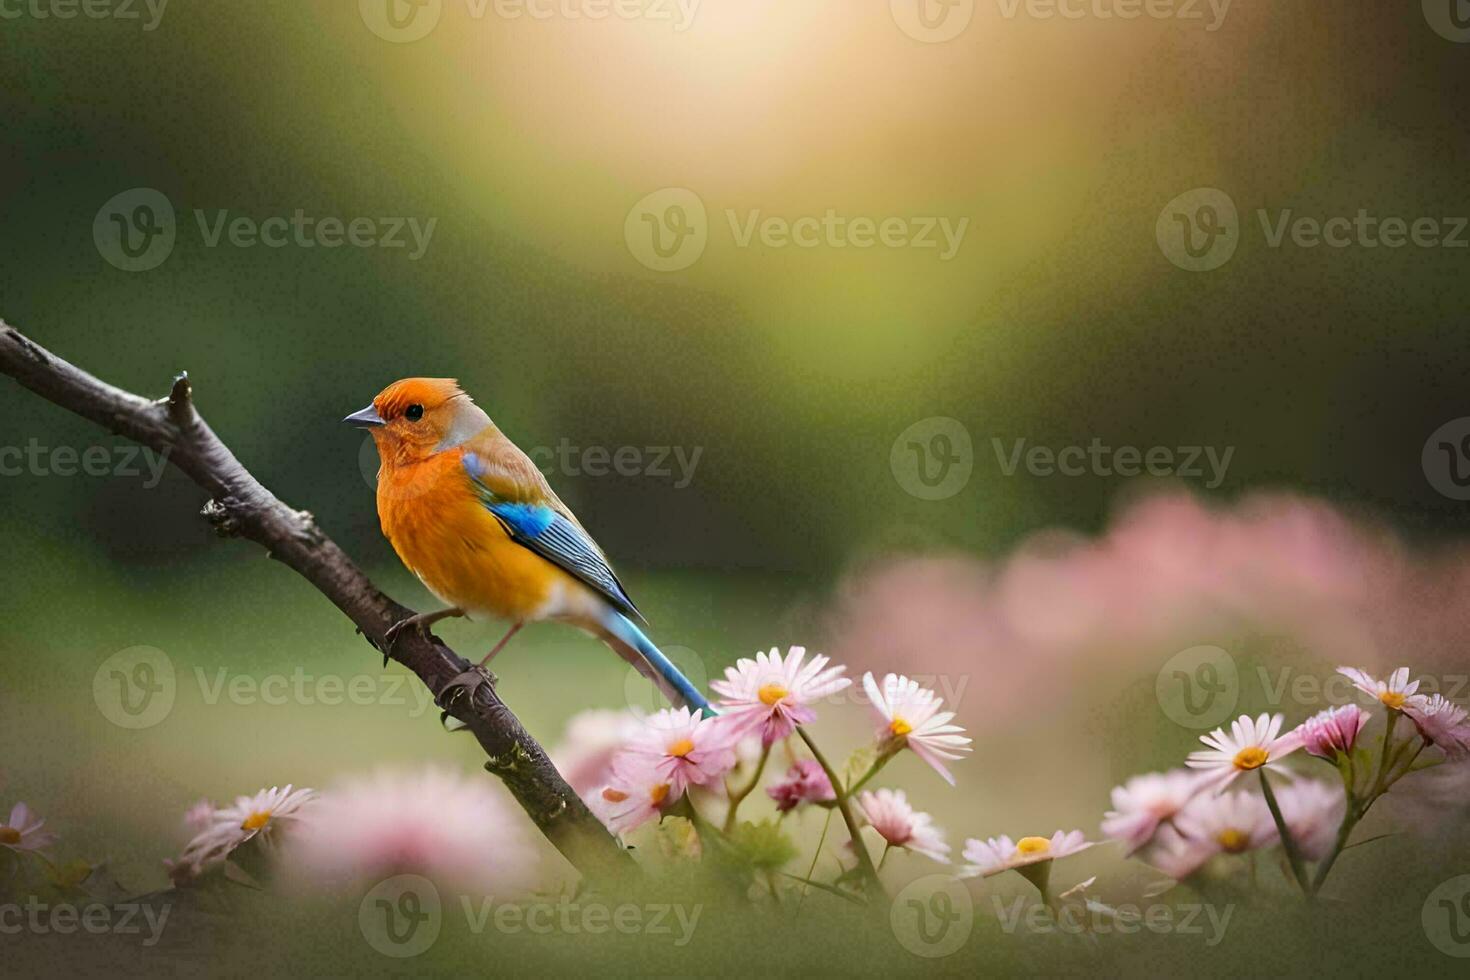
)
(439, 528)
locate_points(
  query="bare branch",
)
(241, 506)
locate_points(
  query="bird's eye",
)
(414, 413)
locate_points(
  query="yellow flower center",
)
(1027, 846)
(613, 795)
(1394, 699)
(256, 820)
(1251, 757)
(771, 693)
(899, 727)
(681, 748)
(659, 793)
(1234, 841)
(9, 835)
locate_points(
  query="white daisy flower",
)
(773, 695)
(1252, 744)
(991, 857)
(265, 813)
(889, 813)
(1145, 801)
(1442, 723)
(1230, 823)
(1397, 692)
(911, 717)
(22, 830)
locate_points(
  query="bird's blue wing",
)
(556, 538)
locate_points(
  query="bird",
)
(476, 521)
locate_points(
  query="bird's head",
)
(414, 418)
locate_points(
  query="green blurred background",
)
(791, 371)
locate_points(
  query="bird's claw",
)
(465, 683)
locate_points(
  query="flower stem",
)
(738, 796)
(878, 764)
(865, 860)
(1350, 819)
(1288, 843)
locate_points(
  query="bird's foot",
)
(420, 622)
(464, 684)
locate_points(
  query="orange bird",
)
(476, 521)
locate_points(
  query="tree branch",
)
(241, 506)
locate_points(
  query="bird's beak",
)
(368, 418)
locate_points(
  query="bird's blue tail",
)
(633, 646)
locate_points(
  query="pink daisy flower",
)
(1145, 801)
(805, 782)
(1251, 744)
(266, 815)
(991, 857)
(911, 717)
(638, 793)
(455, 830)
(681, 747)
(773, 695)
(888, 812)
(1442, 723)
(1397, 692)
(22, 831)
(1334, 731)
